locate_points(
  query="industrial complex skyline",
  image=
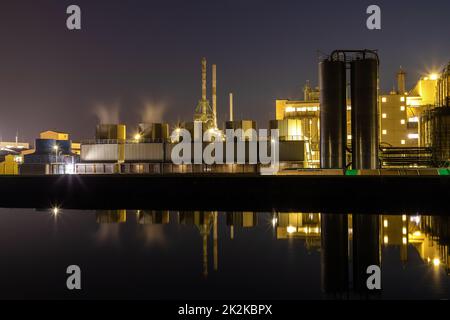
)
(129, 59)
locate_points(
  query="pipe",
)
(231, 106)
(214, 94)
(401, 75)
(204, 85)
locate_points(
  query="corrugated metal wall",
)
(99, 152)
(159, 152)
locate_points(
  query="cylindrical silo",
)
(364, 90)
(332, 114)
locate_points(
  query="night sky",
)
(136, 60)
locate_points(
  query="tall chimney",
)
(214, 94)
(204, 85)
(231, 107)
(401, 75)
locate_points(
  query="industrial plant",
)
(345, 126)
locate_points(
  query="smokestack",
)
(231, 107)
(204, 84)
(307, 91)
(214, 94)
(401, 75)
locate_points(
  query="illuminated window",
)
(386, 239)
(385, 132)
(402, 108)
(384, 115)
(385, 223)
(402, 121)
(383, 99)
(402, 99)
(290, 109)
(403, 142)
(413, 136)
(349, 137)
(405, 241)
(413, 119)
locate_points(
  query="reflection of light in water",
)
(55, 211)
(436, 262)
(107, 233)
(274, 222)
(415, 219)
(153, 235)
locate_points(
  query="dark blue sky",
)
(135, 53)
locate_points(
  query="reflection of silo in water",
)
(333, 108)
(366, 249)
(364, 97)
(240, 219)
(153, 217)
(334, 253)
(111, 216)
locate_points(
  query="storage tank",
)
(364, 97)
(111, 132)
(333, 116)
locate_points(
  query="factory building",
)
(52, 155)
(405, 118)
(434, 128)
(246, 127)
(5, 145)
(153, 156)
(401, 111)
(11, 156)
(9, 164)
(299, 120)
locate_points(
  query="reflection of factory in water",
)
(347, 243)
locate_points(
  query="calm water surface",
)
(209, 255)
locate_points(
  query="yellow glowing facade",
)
(54, 135)
(10, 165)
(399, 118)
(400, 113)
(76, 148)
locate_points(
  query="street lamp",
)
(55, 147)
(137, 137)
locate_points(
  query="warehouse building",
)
(113, 153)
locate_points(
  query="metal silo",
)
(332, 114)
(364, 97)
(111, 132)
